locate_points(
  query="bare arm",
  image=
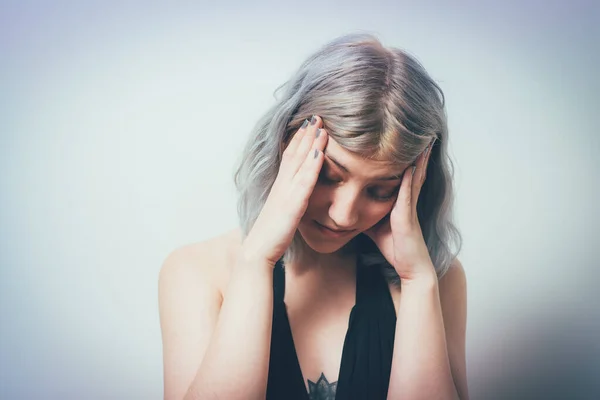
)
(220, 350)
(429, 346)
(215, 349)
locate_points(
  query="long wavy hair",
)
(376, 102)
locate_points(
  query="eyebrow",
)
(377, 178)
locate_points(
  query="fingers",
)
(296, 152)
(404, 195)
(412, 182)
(293, 145)
(306, 143)
(420, 173)
(305, 179)
(423, 172)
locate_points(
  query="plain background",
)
(121, 124)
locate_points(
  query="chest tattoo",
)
(322, 389)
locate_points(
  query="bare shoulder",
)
(208, 261)
(454, 280)
(190, 292)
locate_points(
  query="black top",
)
(368, 346)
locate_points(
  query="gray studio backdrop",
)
(119, 130)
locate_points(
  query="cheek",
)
(375, 212)
(317, 200)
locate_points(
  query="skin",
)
(317, 309)
(348, 196)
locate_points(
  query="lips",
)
(333, 230)
(336, 231)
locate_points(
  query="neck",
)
(311, 261)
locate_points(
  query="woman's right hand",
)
(274, 229)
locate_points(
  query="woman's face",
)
(351, 194)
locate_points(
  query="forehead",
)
(357, 165)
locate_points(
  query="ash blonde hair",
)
(377, 102)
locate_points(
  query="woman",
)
(338, 283)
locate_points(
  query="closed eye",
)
(373, 193)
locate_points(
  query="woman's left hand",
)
(398, 235)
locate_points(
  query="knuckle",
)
(302, 182)
(286, 160)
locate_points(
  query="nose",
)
(343, 210)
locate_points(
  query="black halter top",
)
(368, 346)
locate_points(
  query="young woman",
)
(340, 282)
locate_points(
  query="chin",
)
(321, 243)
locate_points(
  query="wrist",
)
(425, 282)
(249, 257)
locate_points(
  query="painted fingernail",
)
(318, 133)
(313, 120)
(304, 124)
(413, 169)
(316, 153)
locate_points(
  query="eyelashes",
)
(378, 197)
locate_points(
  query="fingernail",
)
(316, 153)
(318, 133)
(413, 169)
(304, 124)
(313, 120)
